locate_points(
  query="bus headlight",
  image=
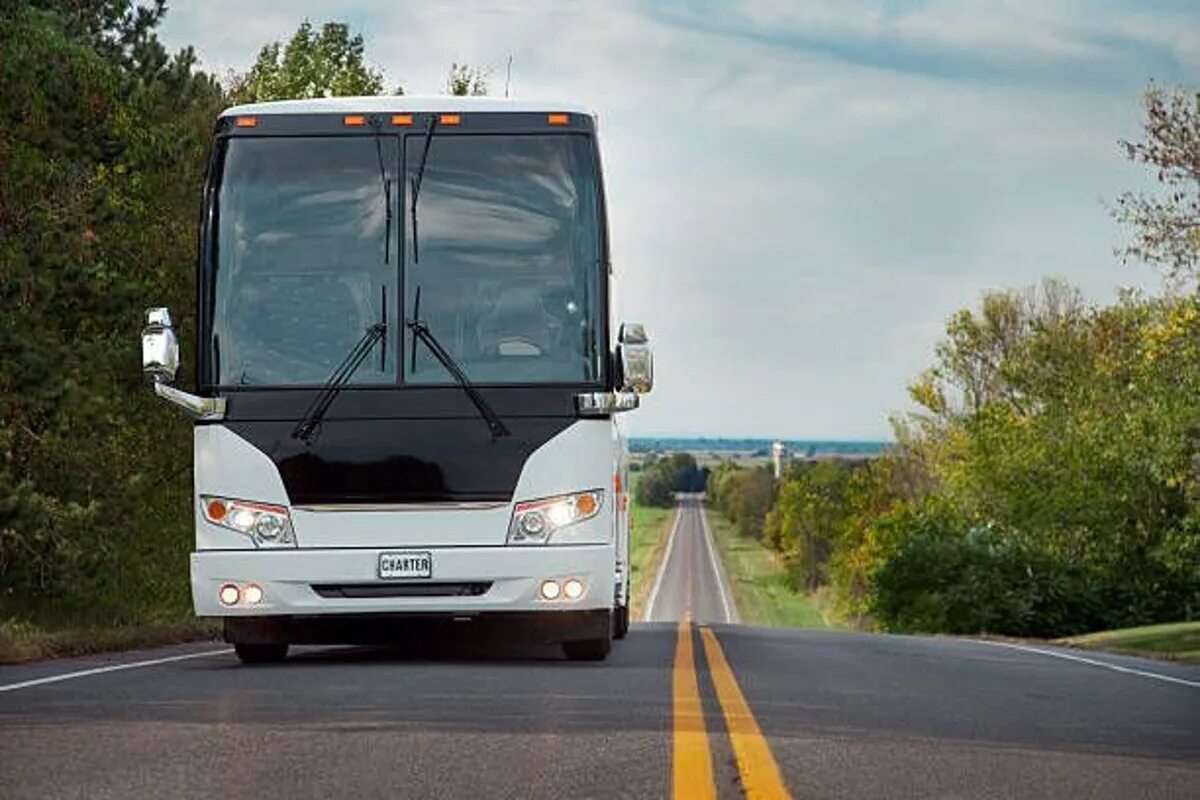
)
(267, 525)
(535, 521)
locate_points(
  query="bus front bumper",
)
(464, 581)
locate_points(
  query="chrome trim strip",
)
(477, 505)
(601, 404)
(205, 408)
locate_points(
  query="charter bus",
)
(408, 380)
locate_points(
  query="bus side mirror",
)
(160, 347)
(635, 358)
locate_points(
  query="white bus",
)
(407, 380)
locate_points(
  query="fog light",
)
(229, 594)
(252, 594)
(550, 590)
(573, 589)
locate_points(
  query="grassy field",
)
(758, 582)
(1179, 641)
(649, 528)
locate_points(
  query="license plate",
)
(406, 564)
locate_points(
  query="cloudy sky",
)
(800, 193)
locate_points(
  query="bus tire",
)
(587, 649)
(621, 622)
(261, 653)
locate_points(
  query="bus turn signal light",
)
(585, 505)
(216, 510)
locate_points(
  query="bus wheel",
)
(260, 653)
(587, 649)
(621, 622)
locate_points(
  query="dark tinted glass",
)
(508, 252)
(300, 268)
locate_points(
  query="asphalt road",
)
(691, 581)
(697, 710)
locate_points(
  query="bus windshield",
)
(506, 255)
(303, 263)
(312, 248)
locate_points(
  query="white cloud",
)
(795, 220)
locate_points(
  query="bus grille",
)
(425, 589)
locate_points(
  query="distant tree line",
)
(662, 477)
(1050, 483)
(104, 138)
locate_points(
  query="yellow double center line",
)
(692, 773)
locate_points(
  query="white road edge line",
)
(66, 676)
(648, 614)
(1093, 662)
(730, 615)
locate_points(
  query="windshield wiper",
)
(416, 183)
(422, 333)
(387, 200)
(311, 420)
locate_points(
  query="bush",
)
(983, 582)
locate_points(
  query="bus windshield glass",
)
(507, 258)
(304, 265)
(312, 249)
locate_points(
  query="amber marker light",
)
(354, 120)
(402, 119)
(246, 122)
(216, 510)
(586, 505)
(449, 119)
(557, 119)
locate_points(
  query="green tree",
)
(103, 136)
(325, 63)
(804, 520)
(662, 477)
(654, 487)
(465, 80)
(743, 495)
(1072, 433)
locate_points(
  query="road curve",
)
(680, 709)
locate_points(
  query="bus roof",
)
(403, 104)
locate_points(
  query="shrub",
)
(983, 581)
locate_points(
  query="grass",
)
(648, 534)
(24, 642)
(649, 529)
(1178, 641)
(759, 583)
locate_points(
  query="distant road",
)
(691, 581)
(685, 709)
